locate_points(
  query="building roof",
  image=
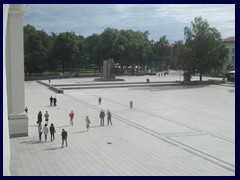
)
(229, 40)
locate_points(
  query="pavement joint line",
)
(210, 160)
(189, 147)
(173, 121)
(165, 139)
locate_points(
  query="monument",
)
(108, 73)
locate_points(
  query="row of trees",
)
(202, 51)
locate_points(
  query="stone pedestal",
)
(108, 68)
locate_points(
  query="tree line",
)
(202, 52)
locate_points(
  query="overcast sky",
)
(157, 19)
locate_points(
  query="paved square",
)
(171, 131)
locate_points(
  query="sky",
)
(157, 19)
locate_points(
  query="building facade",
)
(230, 44)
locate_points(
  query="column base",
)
(18, 125)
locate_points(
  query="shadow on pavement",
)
(32, 142)
(52, 148)
(62, 126)
(78, 132)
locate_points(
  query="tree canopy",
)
(201, 53)
(204, 49)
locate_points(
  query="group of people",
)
(45, 130)
(102, 116)
(53, 101)
(71, 115)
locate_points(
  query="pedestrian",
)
(52, 131)
(55, 101)
(49, 81)
(45, 131)
(100, 100)
(71, 115)
(46, 115)
(131, 104)
(64, 137)
(51, 100)
(26, 109)
(109, 117)
(39, 117)
(102, 115)
(40, 131)
(87, 123)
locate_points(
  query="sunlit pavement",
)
(171, 131)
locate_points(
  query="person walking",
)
(71, 115)
(55, 101)
(102, 115)
(39, 121)
(52, 131)
(131, 104)
(109, 117)
(87, 123)
(45, 131)
(46, 115)
(51, 100)
(100, 100)
(64, 137)
(40, 131)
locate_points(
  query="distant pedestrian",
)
(39, 117)
(45, 131)
(131, 104)
(49, 81)
(52, 131)
(87, 123)
(100, 100)
(64, 137)
(51, 100)
(26, 109)
(46, 115)
(102, 115)
(40, 131)
(71, 115)
(109, 117)
(55, 101)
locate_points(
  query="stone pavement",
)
(171, 131)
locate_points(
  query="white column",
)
(18, 120)
(6, 142)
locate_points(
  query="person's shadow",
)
(53, 148)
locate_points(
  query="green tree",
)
(66, 50)
(36, 45)
(204, 44)
(162, 53)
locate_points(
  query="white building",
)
(230, 44)
(15, 120)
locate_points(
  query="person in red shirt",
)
(46, 115)
(71, 115)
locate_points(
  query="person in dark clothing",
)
(55, 101)
(102, 115)
(26, 110)
(64, 137)
(39, 121)
(51, 100)
(109, 117)
(40, 131)
(52, 131)
(100, 100)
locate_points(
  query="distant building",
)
(230, 44)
